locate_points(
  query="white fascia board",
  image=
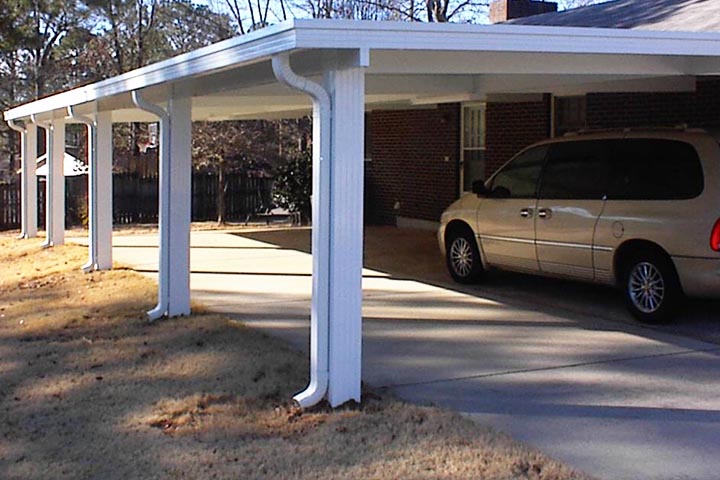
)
(229, 53)
(501, 38)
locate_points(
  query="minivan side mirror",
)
(479, 188)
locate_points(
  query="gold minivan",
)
(635, 208)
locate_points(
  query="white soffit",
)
(404, 57)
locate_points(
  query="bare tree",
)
(403, 10)
(251, 15)
(568, 4)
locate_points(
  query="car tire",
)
(651, 288)
(463, 257)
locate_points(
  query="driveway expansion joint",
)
(555, 367)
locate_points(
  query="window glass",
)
(519, 178)
(570, 114)
(473, 148)
(576, 170)
(655, 169)
(473, 168)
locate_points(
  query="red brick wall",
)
(415, 155)
(618, 110)
(512, 127)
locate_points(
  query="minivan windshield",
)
(519, 178)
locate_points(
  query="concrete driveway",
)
(558, 365)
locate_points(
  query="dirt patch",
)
(89, 389)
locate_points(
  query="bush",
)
(293, 185)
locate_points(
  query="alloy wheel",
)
(461, 256)
(646, 287)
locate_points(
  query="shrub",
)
(293, 185)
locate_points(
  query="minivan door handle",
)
(526, 212)
(545, 213)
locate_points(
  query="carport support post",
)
(28, 191)
(175, 204)
(180, 207)
(101, 207)
(55, 184)
(29, 181)
(347, 92)
(57, 170)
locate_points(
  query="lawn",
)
(90, 389)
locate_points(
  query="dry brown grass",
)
(89, 389)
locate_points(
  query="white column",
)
(178, 226)
(58, 182)
(319, 307)
(345, 255)
(55, 184)
(103, 207)
(29, 182)
(91, 130)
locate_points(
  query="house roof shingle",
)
(668, 15)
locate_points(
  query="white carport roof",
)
(408, 64)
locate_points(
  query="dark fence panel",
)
(246, 195)
(135, 199)
(9, 206)
(204, 197)
(75, 203)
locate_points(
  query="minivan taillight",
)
(715, 236)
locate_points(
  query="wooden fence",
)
(135, 199)
(9, 206)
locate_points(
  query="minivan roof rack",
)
(680, 127)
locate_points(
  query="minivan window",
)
(655, 169)
(519, 178)
(576, 170)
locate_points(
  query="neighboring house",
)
(419, 161)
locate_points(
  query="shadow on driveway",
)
(414, 254)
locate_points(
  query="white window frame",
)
(482, 107)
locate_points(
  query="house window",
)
(473, 145)
(570, 114)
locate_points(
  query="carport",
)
(339, 69)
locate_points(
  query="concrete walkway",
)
(570, 373)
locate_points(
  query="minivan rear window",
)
(654, 169)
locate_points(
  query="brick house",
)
(419, 161)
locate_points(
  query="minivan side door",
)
(571, 198)
(506, 218)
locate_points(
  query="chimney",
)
(503, 10)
